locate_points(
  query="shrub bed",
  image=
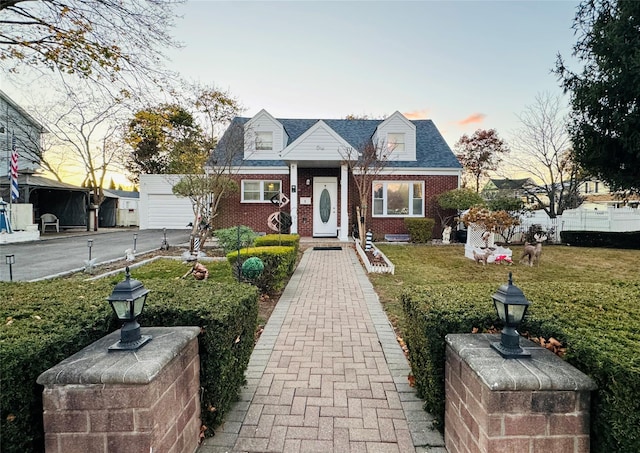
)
(616, 240)
(597, 322)
(420, 229)
(45, 322)
(279, 263)
(286, 240)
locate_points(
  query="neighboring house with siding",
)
(304, 159)
(14, 120)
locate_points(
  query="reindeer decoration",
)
(532, 253)
(481, 258)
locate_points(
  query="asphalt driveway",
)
(59, 254)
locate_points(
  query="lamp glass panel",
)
(138, 305)
(515, 314)
(121, 307)
(501, 309)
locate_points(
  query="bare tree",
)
(364, 164)
(84, 125)
(206, 191)
(101, 40)
(542, 149)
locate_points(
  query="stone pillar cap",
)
(96, 365)
(544, 370)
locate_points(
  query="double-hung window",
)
(264, 141)
(258, 191)
(395, 142)
(398, 198)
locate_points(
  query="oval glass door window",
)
(325, 206)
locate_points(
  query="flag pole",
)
(9, 179)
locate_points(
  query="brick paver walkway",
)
(327, 374)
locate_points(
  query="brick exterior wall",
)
(231, 212)
(254, 215)
(433, 186)
(163, 415)
(480, 420)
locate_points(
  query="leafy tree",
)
(502, 203)
(500, 222)
(605, 117)
(480, 153)
(458, 199)
(542, 148)
(95, 39)
(112, 185)
(165, 139)
(214, 109)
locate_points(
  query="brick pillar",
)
(496, 405)
(144, 401)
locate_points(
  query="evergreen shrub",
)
(48, 321)
(420, 229)
(597, 322)
(279, 263)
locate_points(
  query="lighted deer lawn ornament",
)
(532, 252)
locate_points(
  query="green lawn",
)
(427, 264)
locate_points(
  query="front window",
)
(395, 142)
(264, 141)
(255, 191)
(398, 198)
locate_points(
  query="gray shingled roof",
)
(431, 149)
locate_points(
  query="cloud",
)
(471, 119)
(417, 114)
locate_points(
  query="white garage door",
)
(168, 211)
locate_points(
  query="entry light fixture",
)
(511, 306)
(127, 300)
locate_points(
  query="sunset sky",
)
(464, 64)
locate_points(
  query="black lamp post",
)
(511, 306)
(10, 260)
(89, 244)
(127, 300)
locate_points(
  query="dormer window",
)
(395, 142)
(264, 141)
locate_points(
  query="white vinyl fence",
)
(608, 219)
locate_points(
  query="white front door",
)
(325, 206)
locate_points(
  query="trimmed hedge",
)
(286, 240)
(228, 317)
(46, 322)
(228, 238)
(420, 229)
(597, 322)
(614, 240)
(279, 263)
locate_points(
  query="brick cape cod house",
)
(305, 160)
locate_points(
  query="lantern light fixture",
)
(511, 306)
(127, 300)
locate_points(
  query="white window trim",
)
(258, 133)
(384, 199)
(262, 182)
(392, 145)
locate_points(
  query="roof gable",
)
(319, 142)
(432, 151)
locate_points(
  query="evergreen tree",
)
(605, 117)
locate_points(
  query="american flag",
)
(14, 169)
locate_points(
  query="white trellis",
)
(479, 240)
